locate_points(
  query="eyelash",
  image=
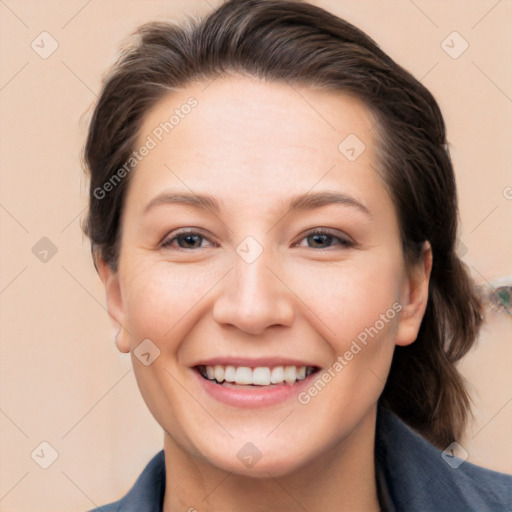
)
(343, 242)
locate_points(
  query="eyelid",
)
(170, 237)
(342, 237)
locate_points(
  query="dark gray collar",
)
(419, 477)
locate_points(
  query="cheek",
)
(161, 297)
(357, 312)
(162, 303)
(347, 298)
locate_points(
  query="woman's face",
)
(220, 266)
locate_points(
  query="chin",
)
(266, 467)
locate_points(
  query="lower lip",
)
(253, 396)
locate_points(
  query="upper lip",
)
(253, 362)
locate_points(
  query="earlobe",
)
(415, 298)
(114, 301)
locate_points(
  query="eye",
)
(318, 239)
(186, 240)
(323, 239)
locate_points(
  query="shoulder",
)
(147, 492)
(420, 477)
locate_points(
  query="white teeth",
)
(290, 374)
(277, 375)
(219, 372)
(243, 375)
(229, 374)
(260, 376)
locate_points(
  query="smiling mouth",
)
(228, 375)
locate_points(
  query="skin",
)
(253, 145)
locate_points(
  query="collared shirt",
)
(412, 475)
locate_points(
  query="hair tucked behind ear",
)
(298, 43)
(424, 387)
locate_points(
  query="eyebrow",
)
(308, 201)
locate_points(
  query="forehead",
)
(282, 110)
(248, 134)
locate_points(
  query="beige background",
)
(62, 380)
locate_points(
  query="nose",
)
(254, 296)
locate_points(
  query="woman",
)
(273, 214)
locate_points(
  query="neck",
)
(341, 479)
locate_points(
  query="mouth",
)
(260, 376)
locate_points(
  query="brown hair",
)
(302, 44)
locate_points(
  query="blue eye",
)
(185, 240)
(319, 239)
(323, 239)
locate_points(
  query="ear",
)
(414, 298)
(114, 297)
